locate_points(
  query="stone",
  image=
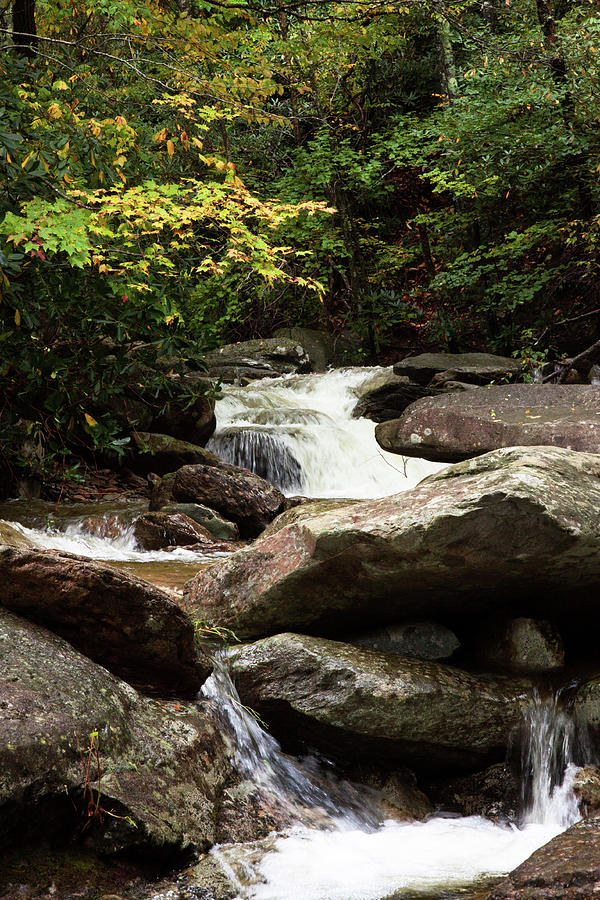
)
(221, 529)
(353, 703)
(118, 620)
(161, 453)
(461, 425)
(162, 767)
(304, 511)
(157, 530)
(586, 787)
(268, 357)
(494, 794)
(12, 537)
(517, 529)
(415, 640)
(319, 345)
(566, 868)
(586, 708)
(386, 395)
(528, 645)
(238, 494)
(476, 368)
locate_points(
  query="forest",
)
(179, 174)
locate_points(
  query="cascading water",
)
(342, 856)
(298, 432)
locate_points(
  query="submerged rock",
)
(566, 868)
(156, 530)
(355, 703)
(478, 368)
(118, 620)
(250, 501)
(82, 752)
(518, 528)
(458, 426)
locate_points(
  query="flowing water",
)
(298, 432)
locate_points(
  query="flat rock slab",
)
(162, 766)
(118, 620)
(518, 528)
(356, 702)
(478, 368)
(566, 868)
(458, 426)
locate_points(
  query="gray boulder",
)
(476, 368)
(461, 425)
(354, 703)
(118, 620)
(263, 358)
(144, 789)
(516, 529)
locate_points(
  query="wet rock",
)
(118, 620)
(517, 528)
(475, 368)
(586, 787)
(239, 495)
(399, 796)
(529, 645)
(494, 793)
(353, 703)
(161, 453)
(103, 526)
(586, 707)
(566, 868)
(458, 426)
(415, 640)
(386, 395)
(257, 359)
(12, 537)
(221, 529)
(157, 530)
(158, 768)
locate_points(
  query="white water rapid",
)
(350, 858)
(298, 432)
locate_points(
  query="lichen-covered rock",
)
(354, 703)
(157, 530)
(458, 426)
(238, 494)
(257, 359)
(516, 529)
(159, 768)
(305, 510)
(566, 868)
(161, 453)
(528, 645)
(478, 368)
(120, 621)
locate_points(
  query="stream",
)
(298, 432)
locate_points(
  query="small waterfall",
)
(300, 430)
(550, 746)
(304, 790)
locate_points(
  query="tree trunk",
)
(24, 31)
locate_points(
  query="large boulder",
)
(386, 395)
(476, 368)
(518, 528)
(118, 620)
(238, 494)
(319, 345)
(81, 751)
(161, 453)
(461, 425)
(566, 868)
(352, 702)
(12, 537)
(263, 358)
